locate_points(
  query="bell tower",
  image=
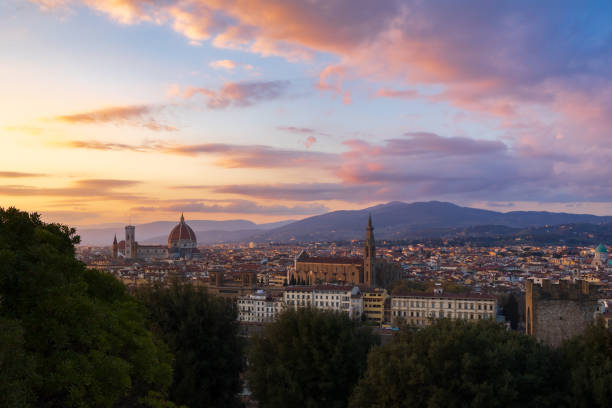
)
(369, 255)
(115, 248)
(130, 241)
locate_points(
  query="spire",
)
(182, 218)
(115, 240)
(370, 220)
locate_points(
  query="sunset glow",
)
(117, 110)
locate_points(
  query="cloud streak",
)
(134, 115)
(240, 94)
(227, 155)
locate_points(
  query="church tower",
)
(115, 248)
(369, 255)
(130, 242)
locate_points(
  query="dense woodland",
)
(72, 337)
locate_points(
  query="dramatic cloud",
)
(137, 115)
(240, 94)
(497, 61)
(534, 79)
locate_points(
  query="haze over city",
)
(119, 111)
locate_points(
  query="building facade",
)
(421, 309)
(340, 298)
(259, 307)
(374, 304)
(363, 271)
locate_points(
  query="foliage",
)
(16, 367)
(308, 358)
(510, 307)
(86, 336)
(588, 359)
(202, 332)
(457, 364)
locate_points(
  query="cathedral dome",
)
(182, 236)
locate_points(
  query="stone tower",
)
(130, 241)
(369, 255)
(115, 248)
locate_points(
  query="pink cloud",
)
(223, 64)
(310, 140)
(134, 115)
(403, 94)
(240, 94)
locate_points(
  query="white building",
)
(259, 307)
(420, 309)
(342, 298)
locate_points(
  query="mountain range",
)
(392, 221)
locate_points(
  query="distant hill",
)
(157, 232)
(398, 220)
(392, 221)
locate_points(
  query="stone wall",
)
(556, 320)
(555, 312)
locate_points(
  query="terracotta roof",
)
(332, 260)
(181, 232)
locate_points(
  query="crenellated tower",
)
(369, 255)
(130, 242)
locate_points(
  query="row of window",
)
(459, 315)
(460, 305)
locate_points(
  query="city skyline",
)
(117, 110)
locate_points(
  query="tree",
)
(308, 358)
(510, 307)
(588, 360)
(456, 364)
(16, 366)
(202, 332)
(85, 335)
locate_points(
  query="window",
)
(450, 305)
(479, 306)
(471, 306)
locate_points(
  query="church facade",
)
(363, 271)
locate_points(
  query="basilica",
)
(367, 271)
(182, 244)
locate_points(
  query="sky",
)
(115, 111)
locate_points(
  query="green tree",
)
(202, 332)
(86, 336)
(588, 359)
(459, 364)
(510, 306)
(308, 358)
(16, 366)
